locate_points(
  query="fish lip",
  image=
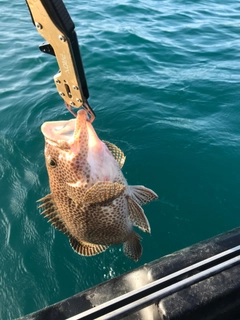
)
(51, 141)
(81, 120)
(70, 135)
(58, 132)
(62, 144)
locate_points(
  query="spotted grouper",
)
(90, 200)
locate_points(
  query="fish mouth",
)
(71, 132)
(56, 131)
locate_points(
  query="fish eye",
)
(53, 163)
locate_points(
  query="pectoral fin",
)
(137, 216)
(116, 152)
(86, 248)
(51, 213)
(75, 192)
(142, 195)
(103, 191)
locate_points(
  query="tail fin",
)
(132, 248)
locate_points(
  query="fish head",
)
(75, 156)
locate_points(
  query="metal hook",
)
(85, 106)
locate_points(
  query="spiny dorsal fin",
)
(142, 195)
(85, 248)
(132, 248)
(116, 152)
(51, 213)
(103, 191)
(46, 199)
(137, 216)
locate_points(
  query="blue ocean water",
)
(164, 82)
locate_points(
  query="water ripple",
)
(164, 82)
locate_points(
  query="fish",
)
(90, 200)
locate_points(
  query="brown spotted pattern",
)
(89, 199)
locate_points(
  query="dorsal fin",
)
(116, 152)
(137, 216)
(103, 192)
(51, 213)
(142, 195)
(86, 248)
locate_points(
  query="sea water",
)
(164, 82)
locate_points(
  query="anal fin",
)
(142, 195)
(137, 216)
(86, 248)
(103, 192)
(132, 248)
